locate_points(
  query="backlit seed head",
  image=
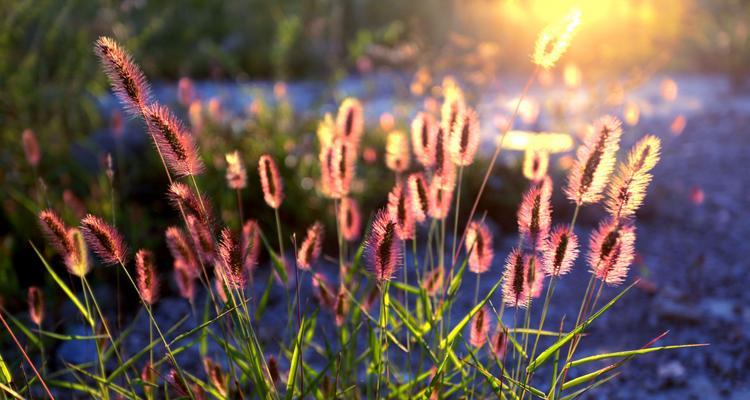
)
(554, 40)
(173, 141)
(454, 106)
(36, 305)
(560, 251)
(499, 342)
(127, 80)
(232, 256)
(535, 213)
(535, 164)
(383, 247)
(423, 137)
(595, 160)
(480, 327)
(420, 196)
(31, 148)
(337, 167)
(270, 181)
(611, 251)
(534, 275)
(202, 239)
(350, 219)
(515, 290)
(397, 152)
(310, 249)
(182, 250)
(465, 139)
(440, 199)
(323, 291)
(77, 262)
(215, 375)
(401, 212)
(479, 247)
(433, 281)
(185, 280)
(236, 174)
(251, 243)
(180, 196)
(56, 232)
(350, 120)
(628, 188)
(104, 240)
(146, 276)
(341, 308)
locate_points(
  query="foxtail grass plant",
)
(388, 322)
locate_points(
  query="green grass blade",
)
(462, 324)
(628, 353)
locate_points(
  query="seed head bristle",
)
(595, 160)
(560, 251)
(56, 232)
(127, 80)
(236, 174)
(350, 219)
(480, 326)
(611, 251)
(515, 292)
(180, 195)
(146, 276)
(628, 187)
(554, 40)
(310, 249)
(401, 211)
(479, 247)
(270, 181)
(173, 140)
(383, 247)
(423, 136)
(35, 300)
(232, 257)
(104, 240)
(420, 196)
(465, 139)
(535, 213)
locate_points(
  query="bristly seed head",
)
(554, 40)
(595, 160)
(535, 213)
(423, 136)
(560, 251)
(465, 139)
(146, 276)
(104, 240)
(401, 212)
(127, 80)
(270, 181)
(479, 247)
(514, 286)
(350, 219)
(480, 326)
(628, 187)
(383, 247)
(232, 257)
(173, 141)
(36, 305)
(310, 249)
(420, 196)
(611, 251)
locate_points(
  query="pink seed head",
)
(480, 326)
(31, 148)
(270, 181)
(310, 249)
(350, 120)
(535, 213)
(236, 174)
(595, 160)
(182, 250)
(173, 141)
(420, 196)
(202, 239)
(181, 196)
(232, 257)
(127, 80)
(611, 251)
(499, 344)
(440, 199)
(251, 243)
(36, 305)
(383, 247)
(535, 164)
(465, 139)
(56, 232)
(185, 280)
(323, 291)
(350, 219)
(515, 292)
(146, 276)
(104, 240)
(560, 251)
(423, 137)
(628, 188)
(534, 274)
(479, 247)
(401, 212)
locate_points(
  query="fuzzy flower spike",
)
(479, 247)
(611, 251)
(104, 240)
(310, 249)
(173, 140)
(128, 82)
(383, 247)
(595, 160)
(535, 213)
(270, 181)
(554, 40)
(628, 188)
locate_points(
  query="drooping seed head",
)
(480, 327)
(310, 249)
(560, 251)
(535, 213)
(232, 257)
(182, 250)
(181, 196)
(535, 164)
(56, 232)
(595, 160)
(423, 137)
(236, 174)
(270, 181)
(127, 80)
(433, 281)
(146, 276)
(383, 247)
(104, 240)
(554, 40)
(350, 120)
(202, 239)
(628, 188)
(77, 262)
(350, 219)
(465, 139)
(401, 212)
(479, 247)
(31, 148)
(397, 151)
(611, 251)
(251, 243)
(515, 292)
(173, 141)
(420, 196)
(36, 305)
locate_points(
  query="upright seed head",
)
(202, 239)
(611, 251)
(397, 152)
(452, 111)
(251, 243)
(628, 187)
(236, 174)
(36, 305)
(337, 165)
(465, 139)
(350, 219)
(383, 247)
(554, 40)
(31, 148)
(232, 258)
(433, 281)
(341, 308)
(420, 196)
(185, 280)
(77, 262)
(401, 212)
(310, 249)
(535, 164)
(350, 120)
(499, 343)
(270, 181)
(445, 170)
(173, 140)
(146, 276)
(323, 291)
(479, 247)
(480, 326)
(127, 80)
(56, 232)
(595, 160)
(423, 136)
(182, 250)
(515, 290)
(104, 240)
(440, 199)
(560, 251)
(535, 213)
(534, 274)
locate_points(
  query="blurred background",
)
(258, 75)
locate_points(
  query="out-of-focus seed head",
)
(440, 199)
(236, 174)
(232, 256)
(31, 148)
(323, 291)
(479, 247)
(454, 106)
(146, 276)
(36, 305)
(185, 280)
(401, 211)
(215, 375)
(350, 219)
(270, 181)
(182, 250)
(499, 342)
(480, 327)
(397, 152)
(534, 275)
(423, 137)
(433, 281)
(465, 139)
(202, 239)
(251, 244)
(350, 120)
(181, 196)
(535, 164)
(420, 196)
(341, 308)
(554, 40)
(515, 293)
(310, 249)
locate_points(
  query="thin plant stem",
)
(239, 206)
(383, 347)
(26, 356)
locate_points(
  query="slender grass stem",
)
(26, 356)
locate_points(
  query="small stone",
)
(672, 372)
